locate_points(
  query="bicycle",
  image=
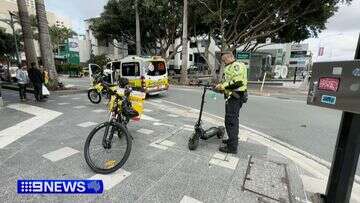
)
(112, 135)
(99, 89)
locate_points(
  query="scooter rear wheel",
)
(194, 141)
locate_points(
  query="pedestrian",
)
(22, 80)
(234, 87)
(37, 80)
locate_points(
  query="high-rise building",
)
(29, 3)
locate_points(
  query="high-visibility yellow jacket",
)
(235, 77)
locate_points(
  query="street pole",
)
(1, 99)
(346, 156)
(15, 38)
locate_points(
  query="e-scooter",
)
(199, 132)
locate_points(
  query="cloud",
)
(341, 35)
(76, 10)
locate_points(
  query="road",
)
(312, 129)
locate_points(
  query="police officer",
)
(234, 87)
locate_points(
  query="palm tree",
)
(184, 52)
(29, 47)
(47, 55)
(137, 21)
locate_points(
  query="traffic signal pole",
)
(346, 156)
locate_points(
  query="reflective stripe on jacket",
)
(234, 73)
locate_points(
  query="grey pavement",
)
(160, 167)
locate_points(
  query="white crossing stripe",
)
(188, 126)
(76, 98)
(173, 115)
(62, 104)
(148, 110)
(187, 199)
(224, 160)
(113, 179)
(99, 110)
(79, 107)
(189, 129)
(164, 145)
(42, 116)
(64, 96)
(60, 154)
(86, 124)
(148, 118)
(145, 131)
(163, 124)
(157, 101)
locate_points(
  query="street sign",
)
(242, 55)
(336, 85)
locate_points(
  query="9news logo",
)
(60, 187)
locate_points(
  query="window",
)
(298, 54)
(116, 65)
(130, 69)
(190, 57)
(158, 68)
(172, 57)
(193, 44)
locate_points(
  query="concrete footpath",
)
(46, 140)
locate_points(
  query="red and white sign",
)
(329, 84)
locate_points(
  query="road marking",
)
(60, 154)
(188, 126)
(62, 104)
(163, 124)
(145, 131)
(187, 199)
(148, 118)
(188, 129)
(112, 179)
(79, 107)
(99, 110)
(157, 101)
(173, 115)
(224, 160)
(76, 98)
(64, 96)
(41, 117)
(86, 124)
(148, 110)
(162, 144)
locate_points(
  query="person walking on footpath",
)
(37, 80)
(234, 88)
(22, 80)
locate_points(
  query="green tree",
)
(7, 46)
(100, 60)
(59, 35)
(160, 22)
(246, 23)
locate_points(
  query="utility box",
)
(336, 85)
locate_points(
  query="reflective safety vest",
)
(234, 73)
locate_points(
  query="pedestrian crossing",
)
(151, 127)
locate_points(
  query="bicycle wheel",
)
(94, 96)
(107, 157)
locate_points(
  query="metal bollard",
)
(1, 100)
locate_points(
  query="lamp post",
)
(15, 38)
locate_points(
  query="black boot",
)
(227, 149)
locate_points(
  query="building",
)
(11, 5)
(196, 55)
(90, 45)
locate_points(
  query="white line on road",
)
(42, 116)
(60, 154)
(148, 118)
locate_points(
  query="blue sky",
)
(338, 39)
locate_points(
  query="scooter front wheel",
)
(94, 96)
(194, 141)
